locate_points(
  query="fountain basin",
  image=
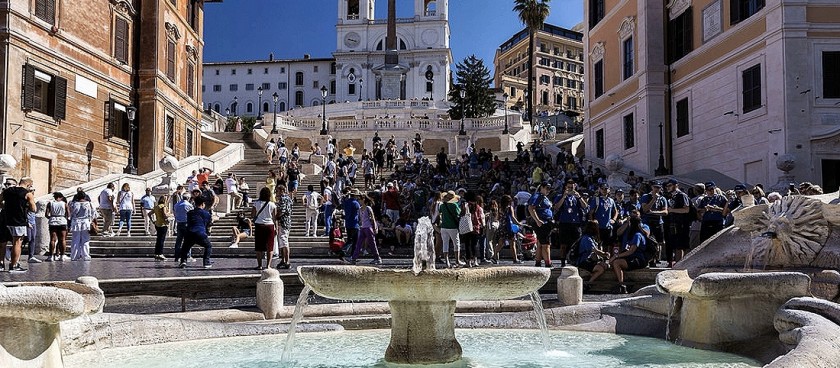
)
(423, 305)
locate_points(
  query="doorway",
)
(830, 175)
(39, 171)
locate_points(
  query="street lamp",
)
(463, 94)
(505, 100)
(235, 105)
(89, 152)
(259, 108)
(661, 169)
(130, 169)
(361, 85)
(324, 130)
(274, 127)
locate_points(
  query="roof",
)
(547, 28)
(275, 61)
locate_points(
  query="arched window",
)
(233, 107)
(249, 107)
(217, 107)
(299, 98)
(282, 105)
(265, 106)
(381, 45)
(431, 8)
(316, 103)
(332, 69)
(299, 78)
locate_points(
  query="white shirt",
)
(312, 200)
(230, 185)
(126, 199)
(282, 152)
(522, 198)
(105, 199)
(270, 147)
(265, 217)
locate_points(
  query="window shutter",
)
(734, 11)
(49, 10)
(121, 40)
(41, 9)
(190, 79)
(688, 31)
(170, 61)
(111, 123)
(60, 102)
(28, 87)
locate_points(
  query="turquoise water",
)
(482, 349)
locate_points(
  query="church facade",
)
(422, 44)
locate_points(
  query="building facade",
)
(736, 85)
(72, 69)
(234, 88)
(422, 45)
(558, 74)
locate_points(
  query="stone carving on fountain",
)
(614, 162)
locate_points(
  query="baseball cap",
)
(710, 184)
(605, 186)
(672, 181)
(619, 190)
(740, 187)
(656, 183)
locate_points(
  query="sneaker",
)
(517, 261)
(287, 266)
(17, 268)
(48, 259)
(190, 259)
(160, 257)
(377, 261)
(208, 264)
(182, 264)
(538, 264)
(548, 265)
(233, 245)
(64, 258)
(33, 260)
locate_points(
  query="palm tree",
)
(532, 13)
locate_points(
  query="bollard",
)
(270, 293)
(569, 286)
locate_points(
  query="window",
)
(233, 72)
(190, 79)
(558, 81)
(117, 119)
(281, 85)
(170, 60)
(217, 88)
(265, 71)
(192, 13)
(44, 93)
(751, 79)
(599, 78)
(121, 40)
(315, 68)
(682, 118)
(299, 98)
(544, 98)
(512, 91)
(174, 3)
(203, 88)
(249, 86)
(558, 99)
(250, 71)
(596, 12)
(45, 10)
(599, 143)
(266, 86)
(233, 87)
(351, 89)
(332, 68)
(628, 57)
(265, 107)
(217, 108)
(169, 132)
(189, 142)
(282, 105)
(743, 9)
(332, 87)
(249, 107)
(545, 79)
(217, 71)
(831, 74)
(571, 102)
(282, 70)
(299, 78)
(629, 132)
(680, 36)
(315, 84)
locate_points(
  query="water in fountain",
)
(672, 304)
(94, 334)
(756, 245)
(302, 301)
(538, 310)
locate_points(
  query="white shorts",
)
(450, 234)
(17, 231)
(282, 237)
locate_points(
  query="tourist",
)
(367, 233)
(632, 255)
(293, 176)
(17, 201)
(758, 196)
(57, 212)
(125, 203)
(488, 241)
(773, 197)
(476, 213)
(282, 153)
(391, 201)
(602, 208)
(174, 198)
(369, 171)
(180, 211)
(654, 209)
(316, 151)
(270, 147)
(312, 203)
(243, 229)
(192, 181)
(352, 170)
(271, 183)
(402, 232)
(264, 212)
(82, 215)
(107, 204)
(232, 189)
(160, 216)
(590, 254)
(244, 189)
(570, 210)
(330, 202)
(210, 199)
(450, 214)
(349, 150)
(679, 223)
(147, 203)
(295, 153)
(711, 209)
(198, 220)
(539, 207)
(350, 204)
(696, 223)
(508, 228)
(284, 225)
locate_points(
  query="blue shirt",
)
(181, 209)
(587, 245)
(639, 241)
(197, 221)
(147, 201)
(542, 207)
(714, 200)
(660, 204)
(604, 208)
(351, 213)
(570, 210)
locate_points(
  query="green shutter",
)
(109, 120)
(28, 98)
(59, 87)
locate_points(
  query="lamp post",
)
(361, 86)
(463, 94)
(505, 100)
(324, 129)
(259, 108)
(227, 119)
(89, 152)
(235, 106)
(274, 118)
(130, 113)
(661, 169)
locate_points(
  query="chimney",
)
(271, 56)
(306, 56)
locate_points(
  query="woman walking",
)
(271, 183)
(270, 147)
(263, 213)
(125, 202)
(508, 224)
(81, 216)
(367, 233)
(450, 214)
(57, 212)
(284, 225)
(160, 217)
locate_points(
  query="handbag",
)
(465, 224)
(514, 228)
(94, 227)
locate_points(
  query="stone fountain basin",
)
(374, 284)
(42, 304)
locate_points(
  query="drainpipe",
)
(5, 100)
(134, 95)
(667, 139)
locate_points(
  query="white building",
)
(234, 87)
(422, 43)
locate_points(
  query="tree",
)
(532, 13)
(475, 78)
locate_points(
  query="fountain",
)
(422, 305)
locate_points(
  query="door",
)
(40, 170)
(755, 172)
(830, 175)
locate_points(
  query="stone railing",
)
(398, 104)
(480, 124)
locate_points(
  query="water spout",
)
(302, 302)
(540, 315)
(672, 305)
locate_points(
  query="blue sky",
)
(250, 29)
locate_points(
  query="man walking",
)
(107, 203)
(17, 201)
(232, 189)
(180, 211)
(312, 202)
(197, 222)
(147, 204)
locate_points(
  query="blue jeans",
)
(125, 216)
(196, 239)
(328, 213)
(181, 228)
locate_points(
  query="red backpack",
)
(336, 240)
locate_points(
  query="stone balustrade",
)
(443, 125)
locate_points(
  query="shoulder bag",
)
(465, 224)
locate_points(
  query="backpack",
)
(337, 241)
(574, 252)
(692, 211)
(651, 248)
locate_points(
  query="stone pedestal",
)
(569, 286)
(42, 228)
(422, 332)
(270, 293)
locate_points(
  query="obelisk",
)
(391, 73)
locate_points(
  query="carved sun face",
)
(795, 231)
